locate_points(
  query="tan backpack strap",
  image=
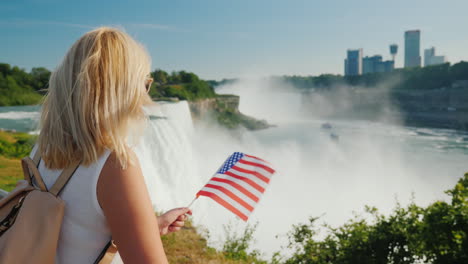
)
(26, 174)
(28, 168)
(107, 254)
(64, 178)
(37, 157)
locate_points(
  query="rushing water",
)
(19, 118)
(368, 164)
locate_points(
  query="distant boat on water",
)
(334, 137)
(326, 126)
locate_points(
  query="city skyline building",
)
(412, 48)
(356, 64)
(370, 63)
(430, 57)
(376, 64)
(393, 51)
(353, 62)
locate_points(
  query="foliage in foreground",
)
(435, 234)
(188, 246)
(13, 146)
(10, 173)
(237, 246)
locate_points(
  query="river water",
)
(366, 163)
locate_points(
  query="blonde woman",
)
(92, 110)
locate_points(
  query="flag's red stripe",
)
(253, 157)
(223, 203)
(238, 187)
(231, 195)
(256, 173)
(270, 170)
(247, 180)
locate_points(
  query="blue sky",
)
(224, 39)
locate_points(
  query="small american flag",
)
(239, 183)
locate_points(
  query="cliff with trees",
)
(18, 87)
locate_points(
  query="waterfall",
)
(177, 160)
(166, 156)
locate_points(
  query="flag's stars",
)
(231, 161)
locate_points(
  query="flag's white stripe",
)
(250, 176)
(235, 192)
(228, 200)
(247, 186)
(254, 160)
(254, 168)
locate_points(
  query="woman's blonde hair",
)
(94, 97)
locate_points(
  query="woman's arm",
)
(125, 201)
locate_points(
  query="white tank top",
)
(84, 231)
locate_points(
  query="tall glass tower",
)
(353, 62)
(412, 48)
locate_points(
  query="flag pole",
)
(196, 197)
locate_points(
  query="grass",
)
(10, 173)
(13, 146)
(188, 246)
(7, 137)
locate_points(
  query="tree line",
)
(179, 84)
(430, 77)
(19, 87)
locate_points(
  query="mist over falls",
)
(371, 163)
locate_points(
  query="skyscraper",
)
(375, 64)
(412, 48)
(353, 62)
(393, 50)
(370, 64)
(431, 59)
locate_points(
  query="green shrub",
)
(16, 145)
(435, 234)
(236, 247)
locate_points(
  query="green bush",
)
(435, 234)
(16, 145)
(236, 247)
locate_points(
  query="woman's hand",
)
(173, 220)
